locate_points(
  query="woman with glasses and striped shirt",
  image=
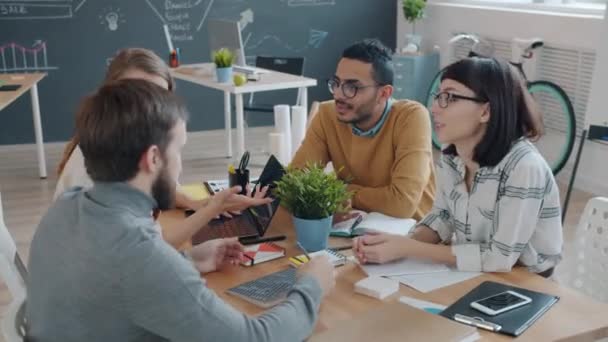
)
(497, 203)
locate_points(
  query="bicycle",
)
(558, 140)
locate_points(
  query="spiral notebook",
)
(268, 290)
(336, 258)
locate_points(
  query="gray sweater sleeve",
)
(164, 294)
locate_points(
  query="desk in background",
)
(27, 82)
(204, 75)
(574, 318)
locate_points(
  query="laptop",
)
(254, 221)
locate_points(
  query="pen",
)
(251, 260)
(477, 322)
(253, 241)
(340, 248)
(303, 250)
(357, 221)
(231, 169)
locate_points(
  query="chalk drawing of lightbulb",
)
(110, 18)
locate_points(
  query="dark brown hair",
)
(118, 123)
(513, 113)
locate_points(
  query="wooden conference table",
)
(575, 317)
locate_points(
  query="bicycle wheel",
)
(433, 89)
(559, 123)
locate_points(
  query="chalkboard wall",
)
(74, 40)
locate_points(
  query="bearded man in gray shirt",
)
(99, 268)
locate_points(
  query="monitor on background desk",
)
(226, 34)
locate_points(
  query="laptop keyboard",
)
(233, 227)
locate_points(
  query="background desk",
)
(27, 82)
(204, 75)
(574, 318)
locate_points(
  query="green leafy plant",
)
(223, 58)
(413, 10)
(311, 193)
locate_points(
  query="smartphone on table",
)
(501, 302)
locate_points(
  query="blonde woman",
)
(137, 63)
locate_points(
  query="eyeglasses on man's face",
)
(349, 89)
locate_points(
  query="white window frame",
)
(593, 8)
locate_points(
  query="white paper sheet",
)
(404, 267)
(429, 282)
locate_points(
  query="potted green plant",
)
(312, 196)
(413, 10)
(223, 59)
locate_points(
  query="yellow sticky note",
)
(195, 191)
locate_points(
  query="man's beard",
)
(362, 114)
(163, 191)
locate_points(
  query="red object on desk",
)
(265, 251)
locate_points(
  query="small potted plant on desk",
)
(223, 59)
(312, 196)
(413, 11)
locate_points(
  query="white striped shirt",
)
(511, 215)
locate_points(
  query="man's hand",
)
(215, 254)
(322, 270)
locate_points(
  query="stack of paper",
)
(424, 276)
(377, 287)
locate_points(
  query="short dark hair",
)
(372, 51)
(120, 121)
(513, 114)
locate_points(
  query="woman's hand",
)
(229, 200)
(380, 248)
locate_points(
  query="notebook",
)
(268, 290)
(196, 191)
(261, 252)
(366, 222)
(336, 258)
(397, 322)
(513, 322)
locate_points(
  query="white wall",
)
(559, 29)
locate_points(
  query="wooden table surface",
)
(25, 80)
(574, 318)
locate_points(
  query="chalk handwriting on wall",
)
(315, 40)
(48, 9)
(184, 17)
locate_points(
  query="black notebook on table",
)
(513, 322)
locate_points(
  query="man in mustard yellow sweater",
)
(381, 146)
